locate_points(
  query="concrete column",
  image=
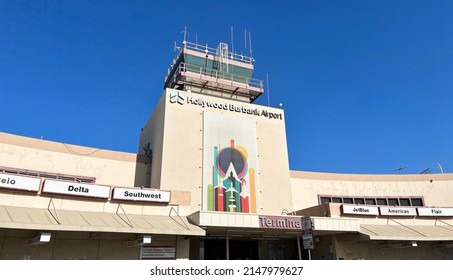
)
(182, 248)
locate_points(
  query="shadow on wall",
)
(143, 171)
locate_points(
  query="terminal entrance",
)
(248, 249)
(215, 249)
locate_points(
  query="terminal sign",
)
(141, 195)
(76, 189)
(280, 222)
(22, 183)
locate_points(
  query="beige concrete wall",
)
(76, 245)
(273, 163)
(108, 167)
(436, 189)
(182, 248)
(380, 251)
(153, 133)
(182, 152)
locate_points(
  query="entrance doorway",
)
(215, 249)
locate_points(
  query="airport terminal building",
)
(211, 180)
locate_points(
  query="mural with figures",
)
(230, 181)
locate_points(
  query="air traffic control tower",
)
(208, 140)
(214, 71)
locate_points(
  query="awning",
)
(440, 232)
(65, 220)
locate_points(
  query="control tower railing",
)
(214, 51)
(188, 75)
(218, 75)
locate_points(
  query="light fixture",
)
(142, 240)
(408, 244)
(42, 238)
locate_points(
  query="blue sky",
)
(367, 86)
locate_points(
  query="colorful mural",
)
(230, 183)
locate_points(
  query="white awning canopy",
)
(65, 220)
(441, 232)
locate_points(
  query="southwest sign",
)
(141, 195)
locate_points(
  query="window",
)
(381, 201)
(416, 202)
(47, 175)
(359, 201)
(405, 202)
(348, 200)
(393, 202)
(370, 201)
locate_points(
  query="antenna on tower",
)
(426, 171)
(232, 43)
(440, 168)
(400, 169)
(245, 41)
(185, 34)
(268, 92)
(250, 44)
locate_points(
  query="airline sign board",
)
(76, 189)
(145, 195)
(23, 183)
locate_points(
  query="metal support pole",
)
(309, 254)
(227, 245)
(298, 247)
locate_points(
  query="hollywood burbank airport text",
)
(233, 108)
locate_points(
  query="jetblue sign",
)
(359, 210)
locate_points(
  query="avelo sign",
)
(22, 183)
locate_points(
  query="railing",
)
(213, 51)
(203, 71)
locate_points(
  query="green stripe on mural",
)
(210, 191)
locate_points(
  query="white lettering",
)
(233, 108)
